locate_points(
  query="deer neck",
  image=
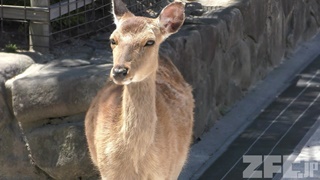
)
(139, 113)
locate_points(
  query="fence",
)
(39, 24)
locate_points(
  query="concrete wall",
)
(223, 55)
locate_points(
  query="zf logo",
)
(277, 164)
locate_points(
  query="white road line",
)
(273, 121)
(296, 120)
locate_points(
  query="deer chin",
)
(125, 81)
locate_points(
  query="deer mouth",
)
(122, 81)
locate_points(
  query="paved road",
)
(289, 121)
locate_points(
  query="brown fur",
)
(141, 127)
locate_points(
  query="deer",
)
(139, 125)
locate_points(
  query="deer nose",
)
(119, 72)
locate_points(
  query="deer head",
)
(136, 40)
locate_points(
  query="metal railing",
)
(39, 24)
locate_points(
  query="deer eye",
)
(113, 42)
(149, 43)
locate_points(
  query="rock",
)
(298, 21)
(46, 91)
(314, 7)
(101, 57)
(275, 33)
(14, 160)
(254, 18)
(14, 155)
(78, 49)
(13, 152)
(59, 148)
(99, 43)
(254, 61)
(241, 66)
(12, 64)
(263, 62)
(234, 21)
(102, 37)
(313, 20)
(82, 52)
(67, 63)
(4, 111)
(194, 9)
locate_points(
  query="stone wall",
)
(222, 55)
(232, 48)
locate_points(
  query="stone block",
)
(59, 148)
(312, 20)
(12, 64)
(275, 33)
(254, 15)
(53, 90)
(14, 159)
(230, 26)
(241, 65)
(4, 110)
(299, 21)
(14, 155)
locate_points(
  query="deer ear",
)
(119, 10)
(171, 18)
